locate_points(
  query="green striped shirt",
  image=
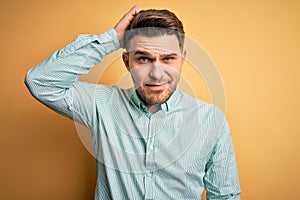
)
(172, 154)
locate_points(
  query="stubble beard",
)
(154, 97)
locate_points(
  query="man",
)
(151, 141)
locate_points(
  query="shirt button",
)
(151, 147)
(148, 174)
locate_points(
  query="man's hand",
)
(121, 26)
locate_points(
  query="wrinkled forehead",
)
(162, 44)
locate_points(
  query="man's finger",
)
(134, 10)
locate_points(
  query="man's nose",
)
(156, 70)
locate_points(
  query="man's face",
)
(155, 66)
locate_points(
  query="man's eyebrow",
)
(141, 52)
(147, 53)
(169, 54)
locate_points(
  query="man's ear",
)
(125, 57)
(183, 55)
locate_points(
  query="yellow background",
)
(255, 45)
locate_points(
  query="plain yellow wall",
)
(255, 45)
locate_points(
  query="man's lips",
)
(156, 85)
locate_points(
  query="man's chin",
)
(156, 91)
(153, 97)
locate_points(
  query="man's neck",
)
(153, 108)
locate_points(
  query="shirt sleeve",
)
(221, 178)
(54, 82)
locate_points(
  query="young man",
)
(151, 141)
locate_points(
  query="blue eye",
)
(143, 59)
(169, 58)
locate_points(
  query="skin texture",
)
(154, 63)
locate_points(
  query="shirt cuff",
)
(109, 40)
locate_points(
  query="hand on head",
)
(121, 26)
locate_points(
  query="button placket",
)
(148, 174)
(148, 186)
(150, 159)
(149, 146)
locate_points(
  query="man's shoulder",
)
(199, 106)
(188, 99)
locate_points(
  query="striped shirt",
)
(174, 153)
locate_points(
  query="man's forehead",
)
(163, 44)
(154, 52)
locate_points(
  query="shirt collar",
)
(167, 106)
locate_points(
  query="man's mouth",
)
(156, 86)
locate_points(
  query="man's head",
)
(158, 22)
(154, 42)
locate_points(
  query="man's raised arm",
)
(54, 81)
